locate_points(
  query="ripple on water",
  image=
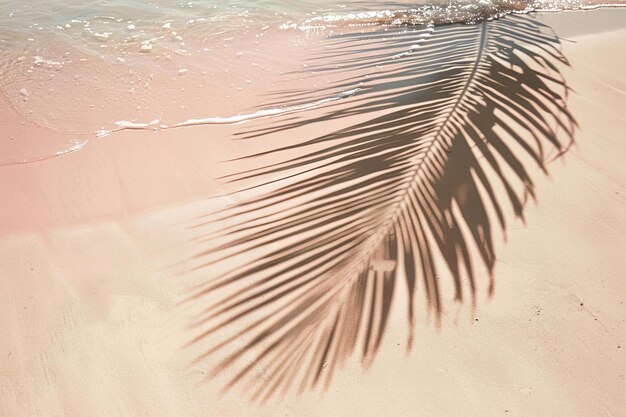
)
(73, 68)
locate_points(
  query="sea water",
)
(123, 26)
(74, 70)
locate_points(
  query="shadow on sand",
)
(312, 264)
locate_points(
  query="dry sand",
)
(88, 311)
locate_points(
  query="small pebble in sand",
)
(146, 47)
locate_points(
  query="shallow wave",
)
(154, 125)
(118, 26)
(119, 59)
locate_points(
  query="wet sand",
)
(89, 313)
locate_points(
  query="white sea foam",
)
(124, 124)
(242, 118)
(227, 120)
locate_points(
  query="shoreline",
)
(138, 151)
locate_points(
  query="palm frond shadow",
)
(443, 130)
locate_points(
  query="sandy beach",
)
(93, 247)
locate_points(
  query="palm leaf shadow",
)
(444, 125)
